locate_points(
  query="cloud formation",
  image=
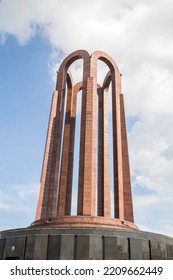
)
(18, 201)
(20, 198)
(138, 34)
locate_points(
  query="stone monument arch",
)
(94, 195)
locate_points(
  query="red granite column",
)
(65, 188)
(128, 207)
(56, 153)
(46, 169)
(117, 148)
(100, 175)
(106, 162)
(104, 203)
(51, 193)
(76, 89)
(87, 163)
(56, 157)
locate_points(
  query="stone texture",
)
(104, 199)
(127, 195)
(115, 248)
(139, 249)
(40, 249)
(36, 247)
(2, 243)
(30, 247)
(158, 250)
(169, 249)
(54, 247)
(84, 244)
(14, 248)
(61, 247)
(67, 247)
(88, 247)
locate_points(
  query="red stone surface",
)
(84, 221)
(93, 193)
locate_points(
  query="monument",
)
(103, 226)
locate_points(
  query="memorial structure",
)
(103, 226)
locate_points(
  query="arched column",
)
(117, 144)
(65, 189)
(49, 191)
(87, 162)
(65, 185)
(128, 206)
(104, 201)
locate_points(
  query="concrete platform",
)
(84, 244)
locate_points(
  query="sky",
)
(35, 36)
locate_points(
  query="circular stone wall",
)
(84, 243)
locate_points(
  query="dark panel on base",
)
(57, 243)
(82, 247)
(40, 249)
(88, 247)
(54, 247)
(115, 248)
(96, 247)
(14, 248)
(139, 249)
(67, 247)
(169, 248)
(2, 243)
(30, 247)
(158, 250)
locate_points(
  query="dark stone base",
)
(84, 244)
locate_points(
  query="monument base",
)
(53, 243)
(84, 221)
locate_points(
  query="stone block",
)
(2, 243)
(88, 247)
(14, 248)
(67, 247)
(95, 247)
(115, 248)
(139, 249)
(82, 247)
(30, 247)
(158, 250)
(54, 247)
(40, 247)
(169, 248)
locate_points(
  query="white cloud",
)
(153, 212)
(139, 36)
(18, 206)
(4, 201)
(19, 198)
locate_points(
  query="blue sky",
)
(26, 90)
(34, 37)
